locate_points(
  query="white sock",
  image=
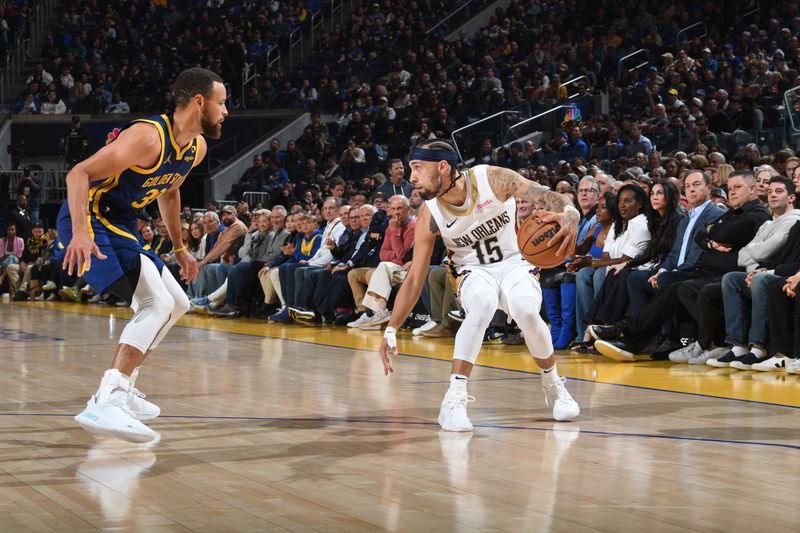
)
(550, 373)
(739, 351)
(458, 383)
(758, 352)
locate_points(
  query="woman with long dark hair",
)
(662, 222)
(630, 236)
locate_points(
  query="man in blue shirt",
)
(643, 284)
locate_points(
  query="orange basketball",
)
(533, 239)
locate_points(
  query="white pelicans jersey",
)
(483, 230)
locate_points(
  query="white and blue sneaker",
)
(107, 412)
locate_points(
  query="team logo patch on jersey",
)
(112, 135)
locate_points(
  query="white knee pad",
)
(179, 309)
(153, 304)
(480, 306)
(525, 312)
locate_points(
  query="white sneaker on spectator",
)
(453, 412)
(773, 364)
(49, 286)
(94, 299)
(793, 366)
(377, 320)
(708, 354)
(427, 326)
(687, 352)
(363, 319)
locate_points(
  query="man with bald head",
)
(392, 270)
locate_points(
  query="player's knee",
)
(161, 305)
(180, 305)
(524, 311)
(481, 301)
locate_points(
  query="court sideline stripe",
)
(415, 423)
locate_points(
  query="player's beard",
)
(211, 129)
(430, 194)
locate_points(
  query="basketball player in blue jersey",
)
(474, 210)
(147, 162)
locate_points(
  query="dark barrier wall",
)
(45, 138)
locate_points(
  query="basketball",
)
(533, 239)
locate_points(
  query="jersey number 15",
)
(493, 252)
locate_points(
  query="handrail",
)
(337, 6)
(543, 113)
(789, 106)
(259, 197)
(228, 96)
(686, 29)
(473, 124)
(571, 82)
(465, 4)
(632, 54)
(249, 73)
(316, 16)
(275, 51)
(295, 38)
(753, 11)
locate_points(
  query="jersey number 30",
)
(493, 252)
(151, 195)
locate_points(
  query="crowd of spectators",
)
(686, 218)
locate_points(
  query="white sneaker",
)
(557, 396)
(773, 364)
(141, 408)
(94, 299)
(377, 320)
(708, 354)
(363, 319)
(113, 419)
(49, 286)
(793, 366)
(687, 352)
(427, 326)
(107, 412)
(453, 412)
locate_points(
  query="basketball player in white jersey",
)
(474, 211)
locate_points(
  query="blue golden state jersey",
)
(117, 198)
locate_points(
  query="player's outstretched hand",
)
(188, 265)
(78, 258)
(568, 234)
(388, 347)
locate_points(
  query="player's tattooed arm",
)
(505, 183)
(433, 226)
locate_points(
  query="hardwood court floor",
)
(269, 428)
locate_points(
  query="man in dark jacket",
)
(685, 253)
(720, 244)
(783, 306)
(333, 292)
